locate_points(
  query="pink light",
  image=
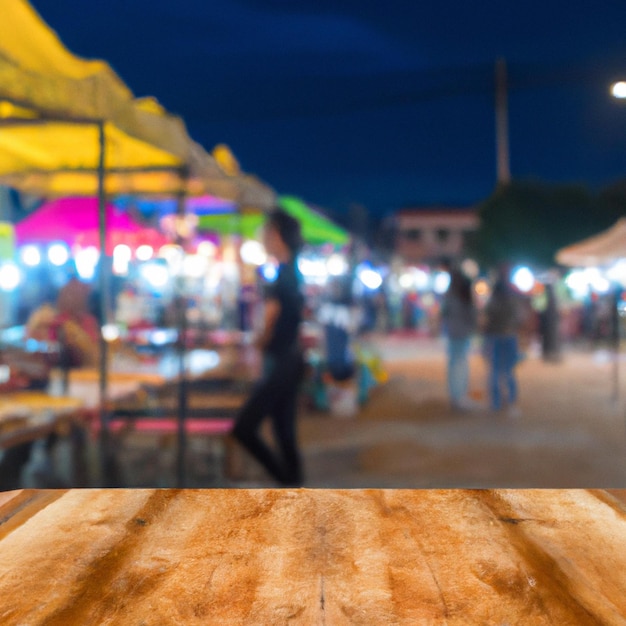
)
(76, 222)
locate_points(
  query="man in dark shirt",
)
(275, 394)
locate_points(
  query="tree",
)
(528, 221)
(612, 201)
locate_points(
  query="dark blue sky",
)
(385, 104)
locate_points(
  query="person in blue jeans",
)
(275, 394)
(503, 320)
(458, 315)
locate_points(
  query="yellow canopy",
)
(56, 159)
(51, 104)
(216, 179)
(37, 71)
(251, 192)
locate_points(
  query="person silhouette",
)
(275, 394)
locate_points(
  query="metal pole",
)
(615, 328)
(181, 322)
(105, 461)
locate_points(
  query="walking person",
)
(549, 327)
(275, 394)
(503, 321)
(458, 315)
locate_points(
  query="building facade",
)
(434, 235)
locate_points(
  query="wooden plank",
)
(452, 557)
(8, 496)
(22, 505)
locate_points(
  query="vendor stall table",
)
(143, 396)
(454, 557)
(35, 410)
(28, 416)
(124, 380)
(83, 384)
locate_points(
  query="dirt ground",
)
(571, 431)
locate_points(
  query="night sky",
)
(383, 104)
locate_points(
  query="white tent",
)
(601, 249)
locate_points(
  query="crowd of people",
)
(502, 322)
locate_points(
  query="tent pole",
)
(105, 460)
(181, 322)
(615, 327)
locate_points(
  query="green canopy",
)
(316, 229)
(246, 224)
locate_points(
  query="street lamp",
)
(618, 89)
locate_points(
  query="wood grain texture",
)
(452, 557)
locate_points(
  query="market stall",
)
(66, 115)
(71, 126)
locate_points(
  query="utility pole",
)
(502, 124)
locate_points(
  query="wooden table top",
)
(29, 415)
(33, 401)
(312, 557)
